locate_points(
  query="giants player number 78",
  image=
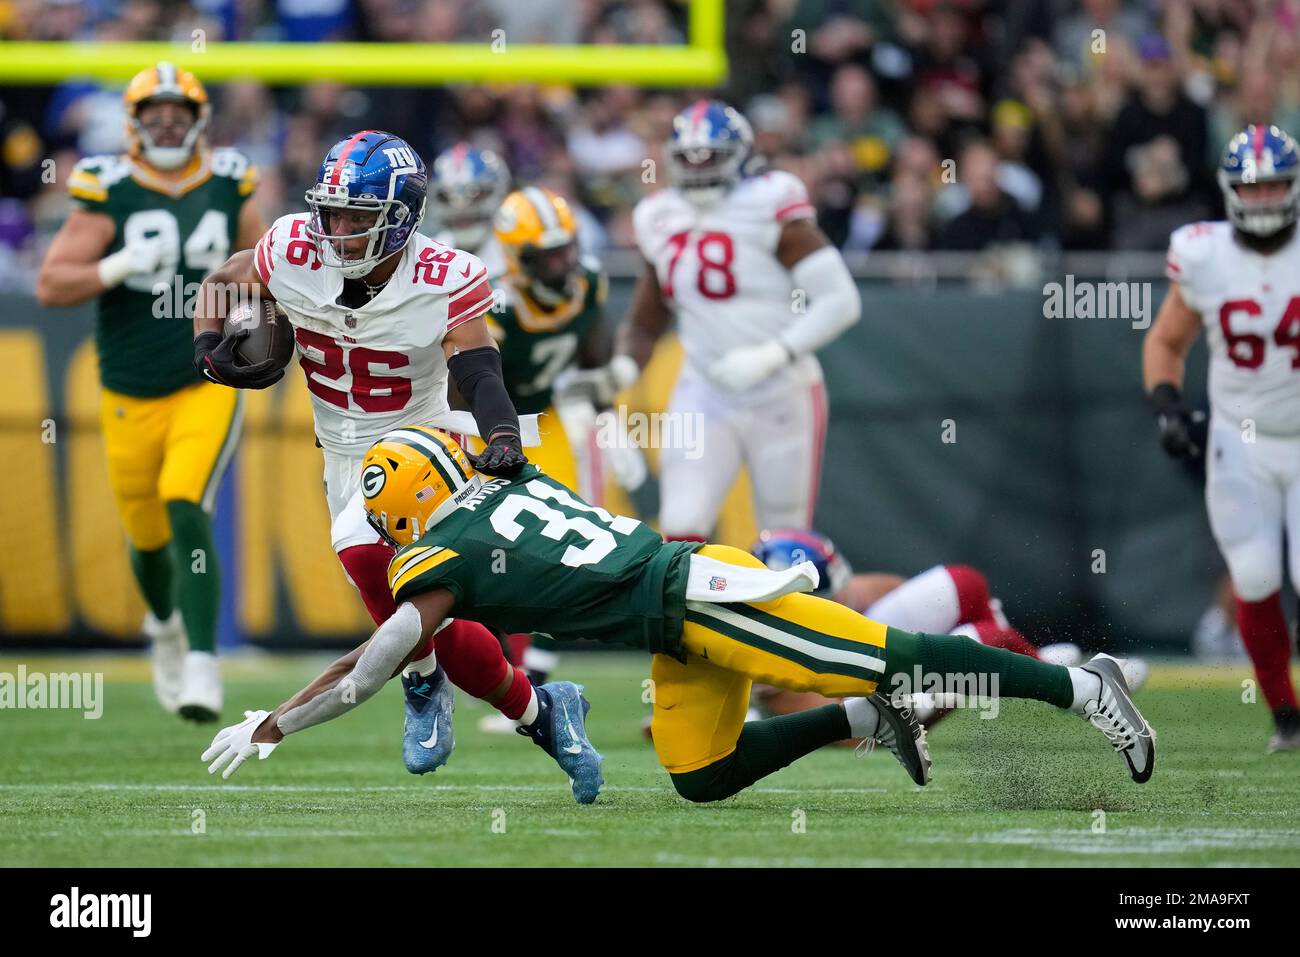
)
(735, 255)
(1240, 280)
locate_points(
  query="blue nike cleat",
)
(561, 731)
(427, 741)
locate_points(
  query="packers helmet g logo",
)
(413, 478)
(373, 479)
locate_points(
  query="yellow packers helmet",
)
(413, 478)
(539, 237)
(165, 82)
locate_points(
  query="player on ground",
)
(167, 212)
(1240, 279)
(945, 599)
(713, 616)
(381, 315)
(735, 256)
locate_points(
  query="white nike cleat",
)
(497, 723)
(1114, 714)
(167, 648)
(200, 698)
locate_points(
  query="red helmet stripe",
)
(343, 155)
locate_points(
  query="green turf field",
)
(1024, 789)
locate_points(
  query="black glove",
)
(215, 360)
(503, 456)
(1174, 420)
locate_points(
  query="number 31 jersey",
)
(717, 266)
(375, 367)
(1250, 305)
(528, 555)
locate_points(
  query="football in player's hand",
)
(270, 334)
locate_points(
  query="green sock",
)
(1018, 676)
(153, 571)
(198, 578)
(764, 747)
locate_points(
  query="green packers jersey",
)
(528, 555)
(143, 330)
(537, 345)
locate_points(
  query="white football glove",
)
(598, 386)
(139, 257)
(746, 366)
(234, 745)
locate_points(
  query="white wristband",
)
(115, 268)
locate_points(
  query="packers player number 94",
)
(145, 228)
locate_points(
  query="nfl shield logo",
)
(350, 321)
(717, 583)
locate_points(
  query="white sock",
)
(1087, 687)
(864, 719)
(530, 712)
(425, 666)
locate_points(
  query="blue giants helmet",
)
(782, 548)
(707, 150)
(374, 172)
(469, 185)
(1261, 154)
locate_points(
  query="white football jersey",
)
(381, 365)
(1250, 305)
(490, 252)
(717, 266)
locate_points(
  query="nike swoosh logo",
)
(468, 266)
(433, 738)
(568, 727)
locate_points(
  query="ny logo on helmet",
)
(401, 159)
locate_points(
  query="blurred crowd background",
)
(917, 124)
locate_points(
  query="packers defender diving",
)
(525, 552)
(147, 227)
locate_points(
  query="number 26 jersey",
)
(378, 366)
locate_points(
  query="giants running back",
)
(372, 367)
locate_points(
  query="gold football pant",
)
(174, 448)
(797, 642)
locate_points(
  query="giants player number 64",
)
(1240, 280)
(735, 255)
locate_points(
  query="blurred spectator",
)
(1084, 38)
(1157, 152)
(858, 121)
(991, 216)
